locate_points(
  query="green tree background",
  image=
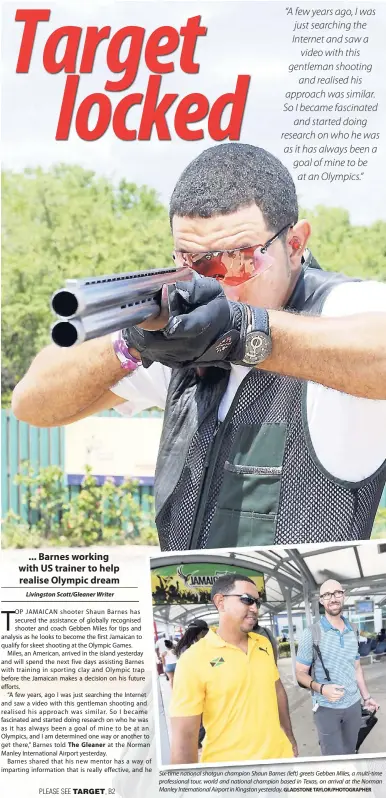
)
(68, 222)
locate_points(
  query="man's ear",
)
(218, 601)
(297, 239)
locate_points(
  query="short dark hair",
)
(231, 176)
(196, 629)
(225, 583)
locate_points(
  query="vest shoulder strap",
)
(316, 632)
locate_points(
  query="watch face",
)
(258, 346)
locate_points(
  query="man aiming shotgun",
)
(272, 374)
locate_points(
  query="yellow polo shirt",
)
(236, 694)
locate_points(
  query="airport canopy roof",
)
(293, 574)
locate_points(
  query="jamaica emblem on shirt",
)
(217, 661)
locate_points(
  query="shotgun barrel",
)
(95, 306)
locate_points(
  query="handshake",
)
(202, 328)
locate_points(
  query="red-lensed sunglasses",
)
(232, 267)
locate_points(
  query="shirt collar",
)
(325, 624)
(214, 639)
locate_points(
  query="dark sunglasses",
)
(245, 598)
(231, 266)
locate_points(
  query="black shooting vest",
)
(254, 479)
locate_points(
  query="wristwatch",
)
(258, 342)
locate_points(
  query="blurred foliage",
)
(61, 223)
(46, 494)
(105, 514)
(284, 649)
(379, 528)
(355, 250)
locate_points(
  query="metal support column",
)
(315, 608)
(287, 595)
(307, 607)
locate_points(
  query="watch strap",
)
(259, 320)
(255, 340)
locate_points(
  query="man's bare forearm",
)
(363, 689)
(184, 746)
(184, 741)
(305, 679)
(62, 383)
(183, 752)
(282, 705)
(346, 353)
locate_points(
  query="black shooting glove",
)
(204, 329)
